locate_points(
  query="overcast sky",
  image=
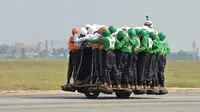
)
(30, 21)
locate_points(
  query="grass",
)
(32, 74)
(50, 74)
(183, 74)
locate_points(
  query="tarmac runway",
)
(75, 102)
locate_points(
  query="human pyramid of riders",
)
(127, 57)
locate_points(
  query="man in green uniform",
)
(132, 60)
(153, 62)
(148, 56)
(108, 42)
(162, 61)
(126, 49)
(143, 53)
(113, 31)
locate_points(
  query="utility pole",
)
(46, 52)
(194, 46)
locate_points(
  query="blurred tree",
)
(4, 49)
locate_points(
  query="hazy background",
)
(31, 21)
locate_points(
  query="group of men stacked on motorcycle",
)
(126, 57)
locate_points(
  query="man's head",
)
(112, 29)
(152, 35)
(146, 29)
(131, 29)
(94, 25)
(82, 32)
(148, 24)
(162, 36)
(91, 30)
(121, 34)
(131, 33)
(137, 30)
(142, 33)
(105, 33)
(74, 31)
(87, 26)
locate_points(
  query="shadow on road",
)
(83, 97)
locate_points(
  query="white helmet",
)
(138, 28)
(91, 30)
(94, 25)
(82, 31)
(149, 24)
(97, 27)
(145, 27)
(151, 30)
(87, 25)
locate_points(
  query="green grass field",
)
(50, 74)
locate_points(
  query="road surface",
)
(67, 102)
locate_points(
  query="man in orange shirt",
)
(72, 55)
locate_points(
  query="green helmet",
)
(146, 31)
(132, 32)
(122, 34)
(162, 36)
(112, 29)
(143, 32)
(131, 29)
(152, 35)
(137, 31)
(105, 33)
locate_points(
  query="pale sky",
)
(30, 21)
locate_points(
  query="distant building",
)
(26, 51)
(183, 55)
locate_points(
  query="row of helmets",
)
(90, 29)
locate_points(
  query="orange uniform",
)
(71, 45)
(94, 45)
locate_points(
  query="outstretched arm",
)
(83, 39)
(97, 41)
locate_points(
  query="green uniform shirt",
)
(124, 45)
(135, 42)
(166, 48)
(117, 41)
(156, 48)
(150, 45)
(144, 45)
(161, 47)
(157, 38)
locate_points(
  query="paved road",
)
(65, 102)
